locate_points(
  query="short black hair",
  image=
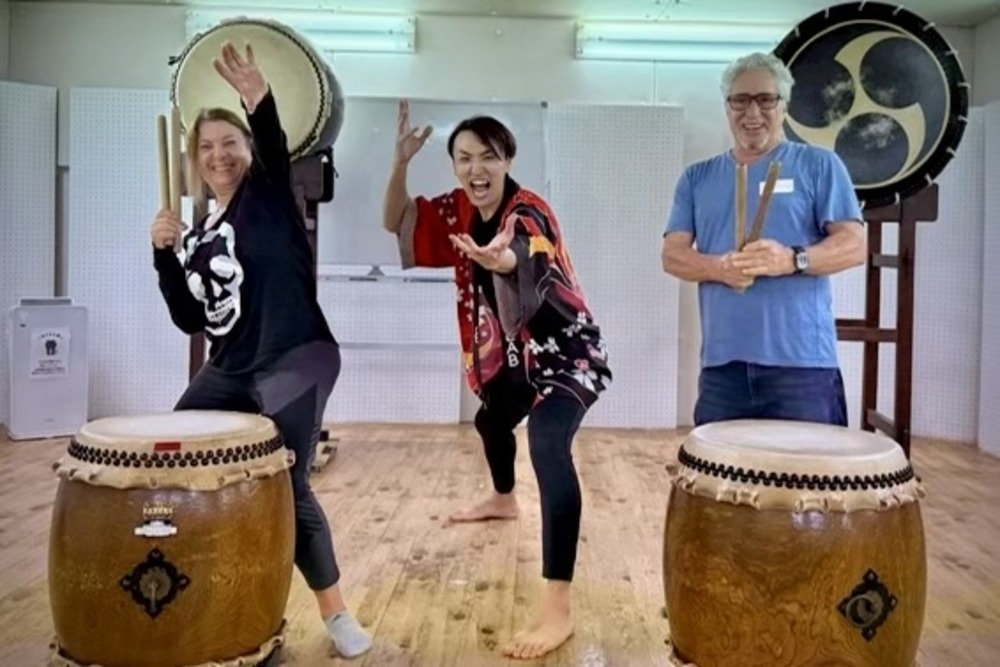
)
(488, 130)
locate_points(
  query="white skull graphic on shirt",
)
(214, 275)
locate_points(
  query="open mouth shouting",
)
(479, 188)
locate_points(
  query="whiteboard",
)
(349, 228)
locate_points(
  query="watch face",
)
(801, 260)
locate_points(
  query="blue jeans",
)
(740, 390)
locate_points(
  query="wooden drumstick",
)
(765, 203)
(161, 128)
(175, 168)
(741, 204)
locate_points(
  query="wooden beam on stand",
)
(920, 207)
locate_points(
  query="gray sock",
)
(348, 636)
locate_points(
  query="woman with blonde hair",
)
(245, 276)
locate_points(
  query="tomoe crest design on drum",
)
(881, 88)
(154, 583)
(868, 605)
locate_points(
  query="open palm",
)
(242, 73)
(495, 255)
(409, 140)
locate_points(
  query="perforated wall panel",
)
(989, 379)
(611, 171)
(949, 298)
(27, 205)
(400, 354)
(138, 359)
(946, 307)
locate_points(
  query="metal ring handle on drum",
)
(896, 138)
(313, 135)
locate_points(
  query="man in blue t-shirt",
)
(769, 347)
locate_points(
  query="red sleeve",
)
(423, 236)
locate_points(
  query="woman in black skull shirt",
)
(245, 276)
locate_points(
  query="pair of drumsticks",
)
(170, 198)
(742, 238)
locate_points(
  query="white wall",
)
(4, 37)
(986, 79)
(460, 58)
(989, 416)
(79, 44)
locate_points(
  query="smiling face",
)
(223, 156)
(481, 169)
(756, 113)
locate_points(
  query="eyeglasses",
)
(741, 101)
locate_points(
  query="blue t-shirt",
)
(779, 321)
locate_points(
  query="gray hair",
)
(760, 61)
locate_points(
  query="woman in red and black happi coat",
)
(529, 340)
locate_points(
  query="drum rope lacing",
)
(113, 457)
(799, 481)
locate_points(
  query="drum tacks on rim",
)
(309, 98)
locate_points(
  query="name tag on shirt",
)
(781, 186)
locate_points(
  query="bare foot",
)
(550, 630)
(497, 506)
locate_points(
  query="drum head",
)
(306, 94)
(194, 449)
(795, 447)
(192, 430)
(796, 465)
(883, 89)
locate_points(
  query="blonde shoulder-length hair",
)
(196, 187)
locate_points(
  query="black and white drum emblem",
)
(882, 88)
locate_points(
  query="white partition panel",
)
(27, 205)
(611, 170)
(400, 354)
(138, 358)
(989, 380)
(946, 307)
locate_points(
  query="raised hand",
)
(167, 230)
(242, 74)
(409, 140)
(494, 256)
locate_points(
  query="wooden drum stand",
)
(922, 206)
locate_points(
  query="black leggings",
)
(293, 393)
(552, 425)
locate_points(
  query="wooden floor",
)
(436, 595)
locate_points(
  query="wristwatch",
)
(801, 258)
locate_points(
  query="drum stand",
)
(312, 183)
(920, 207)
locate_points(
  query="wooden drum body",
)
(791, 543)
(172, 541)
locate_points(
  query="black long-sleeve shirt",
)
(248, 281)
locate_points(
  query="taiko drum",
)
(790, 543)
(172, 541)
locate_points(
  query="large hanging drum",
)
(881, 87)
(793, 544)
(309, 97)
(172, 541)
